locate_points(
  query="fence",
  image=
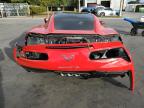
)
(14, 9)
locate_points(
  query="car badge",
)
(68, 58)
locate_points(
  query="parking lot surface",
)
(20, 89)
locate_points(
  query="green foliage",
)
(74, 3)
(49, 2)
(17, 1)
(8, 1)
(43, 2)
(64, 2)
(35, 10)
(31, 2)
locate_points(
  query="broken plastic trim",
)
(111, 53)
(33, 38)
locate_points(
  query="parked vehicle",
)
(100, 11)
(89, 10)
(92, 9)
(100, 7)
(74, 44)
(105, 12)
(136, 25)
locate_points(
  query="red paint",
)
(79, 58)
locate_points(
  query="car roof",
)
(88, 8)
(73, 23)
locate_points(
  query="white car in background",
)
(142, 19)
(106, 12)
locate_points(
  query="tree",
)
(46, 3)
(17, 1)
(7, 1)
(32, 2)
(64, 3)
(74, 2)
(51, 3)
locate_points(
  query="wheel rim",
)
(133, 31)
(102, 14)
(143, 33)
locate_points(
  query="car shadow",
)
(2, 100)
(115, 82)
(1, 92)
(110, 80)
(9, 50)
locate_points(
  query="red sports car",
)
(75, 45)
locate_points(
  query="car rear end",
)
(87, 55)
(75, 44)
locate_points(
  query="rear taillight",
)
(111, 53)
(36, 56)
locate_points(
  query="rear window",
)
(74, 22)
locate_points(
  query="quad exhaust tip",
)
(69, 75)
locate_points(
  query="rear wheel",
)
(133, 31)
(102, 14)
(143, 33)
(27, 70)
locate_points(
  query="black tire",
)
(133, 31)
(131, 79)
(102, 14)
(142, 33)
(27, 69)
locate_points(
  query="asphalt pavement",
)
(20, 89)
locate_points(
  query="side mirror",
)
(102, 22)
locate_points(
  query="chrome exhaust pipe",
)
(69, 75)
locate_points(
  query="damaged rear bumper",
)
(81, 66)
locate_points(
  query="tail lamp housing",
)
(110, 53)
